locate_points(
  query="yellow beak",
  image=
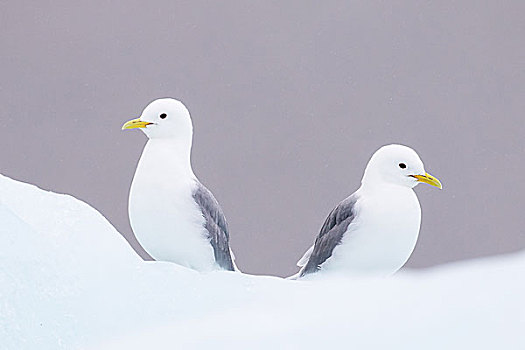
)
(429, 179)
(135, 123)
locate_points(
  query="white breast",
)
(166, 220)
(383, 235)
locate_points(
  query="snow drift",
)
(69, 280)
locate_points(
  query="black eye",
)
(163, 116)
(402, 165)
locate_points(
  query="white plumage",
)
(163, 214)
(375, 230)
(174, 217)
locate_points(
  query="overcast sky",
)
(289, 100)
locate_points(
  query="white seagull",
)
(373, 231)
(174, 217)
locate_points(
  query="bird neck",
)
(371, 180)
(171, 155)
(375, 186)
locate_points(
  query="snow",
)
(69, 280)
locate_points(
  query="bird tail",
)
(235, 268)
(302, 263)
(304, 260)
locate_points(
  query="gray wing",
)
(216, 226)
(331, 234)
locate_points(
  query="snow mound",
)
(69, 280)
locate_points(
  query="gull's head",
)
(398, 165)
(163, 118)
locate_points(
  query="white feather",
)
(163, 214)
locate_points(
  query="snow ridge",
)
(68, 280)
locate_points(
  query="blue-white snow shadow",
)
(69, 280)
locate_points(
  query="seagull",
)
(374, 231)
(174, 217)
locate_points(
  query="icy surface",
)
(69, 280)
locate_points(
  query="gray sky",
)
(288, 99)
